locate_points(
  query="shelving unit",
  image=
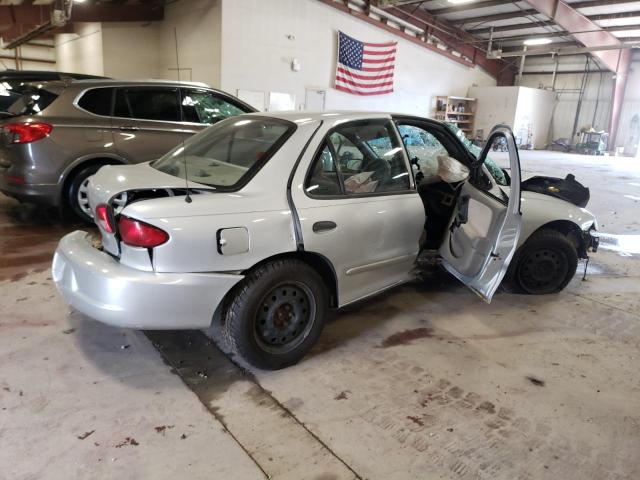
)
(458, 110)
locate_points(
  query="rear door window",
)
(361, 157)
(151, 103)
(97, 101)
(203, 106)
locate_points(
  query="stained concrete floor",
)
(422, 382)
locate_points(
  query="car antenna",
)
(187, 197)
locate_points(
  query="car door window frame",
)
(124, 89)
(455, 148)
(326, 141)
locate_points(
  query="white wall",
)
(526, 110)
(35, 52)
(130, 50)
(257, 53)
(494, 105)
(81, 52)
(596, 98)
(627, 126)
(198, 25)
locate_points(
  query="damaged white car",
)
(273, 219)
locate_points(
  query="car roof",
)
(300, 116)
(110, 82)
(337, 116)
(44, 74)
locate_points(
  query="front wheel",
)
(276, 314)
(546, 263)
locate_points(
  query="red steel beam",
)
(458, 40)
(592, 36)
(342, 7)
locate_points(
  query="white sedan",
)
(273, 219)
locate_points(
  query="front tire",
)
(545, 264)
(276, 314)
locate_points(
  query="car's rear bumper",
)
(99, 286)
(42, 193)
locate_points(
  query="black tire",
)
(276, 314)
(545, 264)
(74, 191)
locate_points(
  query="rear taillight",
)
(104, 218)
(139, 234)
(27, 132)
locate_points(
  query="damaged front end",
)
(567, 189)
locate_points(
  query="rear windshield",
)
(227, 154)
(32, 101)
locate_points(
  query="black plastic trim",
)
(297, 227)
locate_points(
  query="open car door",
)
(485, 226)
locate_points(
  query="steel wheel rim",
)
(284, 317)
(83, 198)
(543, 269)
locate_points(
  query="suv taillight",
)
(139, 234)
(104, 218)
(27, 132)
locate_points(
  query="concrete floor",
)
(422, 382)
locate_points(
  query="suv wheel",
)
(276, 314)
(76, 193)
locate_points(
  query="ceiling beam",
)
(457, 40)
(591, 35)
(522, 26)
(533, 11)
(85, 12)
(582, 29)
(531, 53)
(469, 6)
(496, 17)
(575, 50)
(397, 3)
(566, 33)
(515, 26)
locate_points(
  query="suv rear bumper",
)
(45, 193)
(99, 286)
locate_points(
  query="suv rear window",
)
(227, 154)
(32, 101)
(97, 101)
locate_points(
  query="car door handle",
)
(128, 128)
(324, 226)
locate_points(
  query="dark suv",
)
(58, 134)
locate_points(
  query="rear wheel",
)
(276, 314)
(77, 193)
(546, 263)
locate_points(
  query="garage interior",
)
(424, 381)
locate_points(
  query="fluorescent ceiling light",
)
(537, 41)
(458, 2)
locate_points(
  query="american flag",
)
(365, 68)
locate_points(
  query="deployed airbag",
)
(567, 188)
